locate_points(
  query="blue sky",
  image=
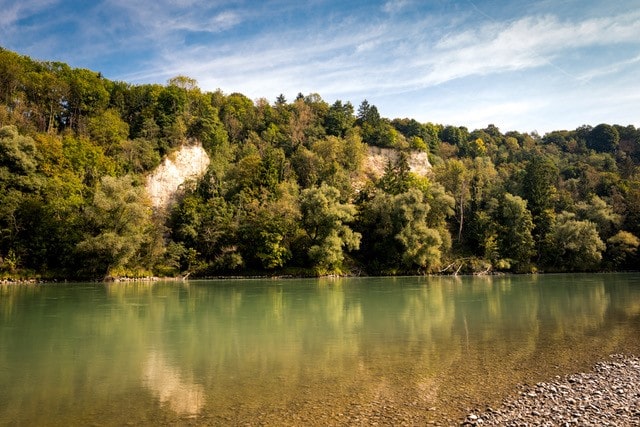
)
(521, 64)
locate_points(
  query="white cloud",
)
(507, 115)
(13, 11)
(161, 21)
(395, 6)
(526, 43)
(394, 60)
(190, 21)
(225, 20)
(9, 15)
(608, 70)
(365, 53)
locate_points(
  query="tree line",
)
(286, 191)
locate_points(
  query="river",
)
(298, 352)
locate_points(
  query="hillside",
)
(298, 187)
(190, 162)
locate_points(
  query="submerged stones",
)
(609, 395)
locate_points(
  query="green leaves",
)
(325, 220)
(515, 241)
(622, 250)
(17, 152)
(576, 245)
(400, 235)
(117, 224)
(603, 138)
(286, 186)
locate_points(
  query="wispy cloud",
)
(386, 57)
(393, 49)
(225, 20)
(395, 6)
(13, 11)
(608, 69)
(526, 43)
(162, 21)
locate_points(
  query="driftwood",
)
(457, 265)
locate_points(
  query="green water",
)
(327, 351)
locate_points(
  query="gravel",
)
(609, 395)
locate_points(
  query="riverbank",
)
(11, 281)
(295, 274)
(608, 395)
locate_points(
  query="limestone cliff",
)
(190, 162)
(377, 158)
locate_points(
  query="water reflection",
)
(170, 387)
(241, 351)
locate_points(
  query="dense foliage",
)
(286, 191)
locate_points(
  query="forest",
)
(286, 192)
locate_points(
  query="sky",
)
(520, 65)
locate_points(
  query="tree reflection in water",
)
(282, 351)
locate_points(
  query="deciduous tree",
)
(576, 245)
(117, 221)
(326, 222)
(515, 241)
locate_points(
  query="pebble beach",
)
(608, 395)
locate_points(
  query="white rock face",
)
(190, 162)
(377, 158)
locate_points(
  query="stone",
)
(613, 386)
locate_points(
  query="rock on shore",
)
(609, 395)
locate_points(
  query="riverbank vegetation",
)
(286, 191)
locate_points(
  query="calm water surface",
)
(326, 351)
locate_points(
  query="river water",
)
(294, 352)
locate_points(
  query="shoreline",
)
(607, 395)
(125, 279)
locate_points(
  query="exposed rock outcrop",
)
(190, 162)
(377, 159)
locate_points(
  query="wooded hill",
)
(285, 191)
